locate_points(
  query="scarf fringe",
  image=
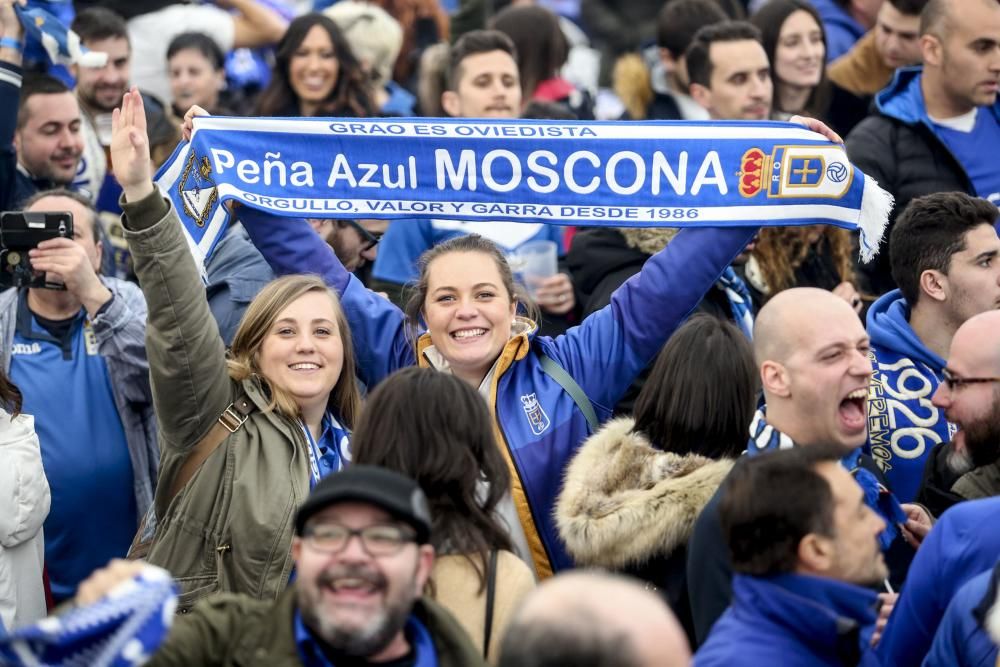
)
(876, 205)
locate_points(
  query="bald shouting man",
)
(812, 353)
(591, 619)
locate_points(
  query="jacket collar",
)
(834, 617)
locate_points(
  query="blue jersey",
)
(977, 150)
(84, 452)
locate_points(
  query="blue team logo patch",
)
(197, 190)
(537, 419)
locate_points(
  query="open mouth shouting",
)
(853, 410)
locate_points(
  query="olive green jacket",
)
(236, 630)
(230, 527)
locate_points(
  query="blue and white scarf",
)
(61, 44)
(122, 629)
(739, 300)
(619, 174)
(764, 437)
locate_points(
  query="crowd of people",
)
(708, 446)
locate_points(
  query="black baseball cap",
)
(397, 494)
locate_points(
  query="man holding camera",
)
(78, 356)
(40, 139)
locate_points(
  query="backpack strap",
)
(230, 421)
(491, 588)
(569, 385)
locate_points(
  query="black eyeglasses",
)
(378, 540)
(955, 383)
(370, 240)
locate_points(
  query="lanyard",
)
(313, 455)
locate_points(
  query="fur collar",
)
(649, 240)
(624, 502)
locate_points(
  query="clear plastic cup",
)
(536, 261)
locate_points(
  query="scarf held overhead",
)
(656, 174)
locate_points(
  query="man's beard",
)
(377, 633)
(982, 438)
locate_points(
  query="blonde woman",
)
(242, 440)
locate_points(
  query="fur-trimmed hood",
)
(624, 502)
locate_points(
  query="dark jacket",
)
(793, 620)
(897, 146)
(238, 630)
(945, 484)
(962, 544)
(601, 259)
(630, 507)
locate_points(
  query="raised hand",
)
(9, 25)
(130, 147)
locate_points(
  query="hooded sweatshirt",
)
(903, 424)
(842, 31)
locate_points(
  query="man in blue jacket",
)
(805, 548)
(961, 545)
(946, 261)
(937, 128)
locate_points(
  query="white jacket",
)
(24, 504)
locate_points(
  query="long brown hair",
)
(436, 430)
(351, 95)
(10, 395)
(257, 321)
(781, 250)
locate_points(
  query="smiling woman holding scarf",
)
(546, 395)
(243, 439)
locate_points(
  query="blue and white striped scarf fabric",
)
(620, 174)
(61, 44)
(739, 300)
(122, 629)
(764, 438)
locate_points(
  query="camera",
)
(20, 231)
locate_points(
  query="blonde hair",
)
(254, 327)
(373, 34)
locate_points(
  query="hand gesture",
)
(130, 147)
(9, 25)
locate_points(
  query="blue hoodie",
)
(903, 425)
(842, 31)
(534, 417)
(793, 620)
(903, 99)
(963, 543)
